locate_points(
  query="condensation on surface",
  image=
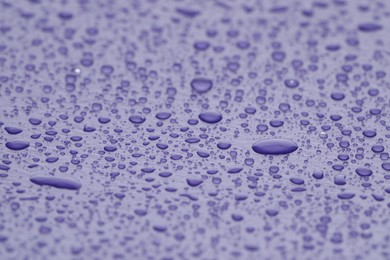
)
(194, 129)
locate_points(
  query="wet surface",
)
(194, 130)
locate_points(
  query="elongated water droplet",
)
(58, 182)
(17, 144)
(274, 146)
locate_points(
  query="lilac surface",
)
(128, 129)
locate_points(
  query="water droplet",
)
(201, 85)
(275, 146)
(291, 83)
(13, 130)
(136, 119)
(323, 135)
(194, 182)
(369, 27)
(58, 182)
(17, 144)
(338, 96)
(364, 172)
(210, 117)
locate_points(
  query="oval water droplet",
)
(363, 172)
(201, 85)
(13, 130)
(194, 182)
(136, 119)
(210, 117)
(17, 144)
(163, 115)
(369, 27)
(291, 83)
(57, 182)
(274, 146)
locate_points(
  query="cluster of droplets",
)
(159, 130)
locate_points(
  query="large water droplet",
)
(194, 182)
(13, 130)
(364, 172)
(62, 183)
(17, 144)
(201, 85)
(210, 117)
(369, 27)
(136, 119)
(274, 146)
